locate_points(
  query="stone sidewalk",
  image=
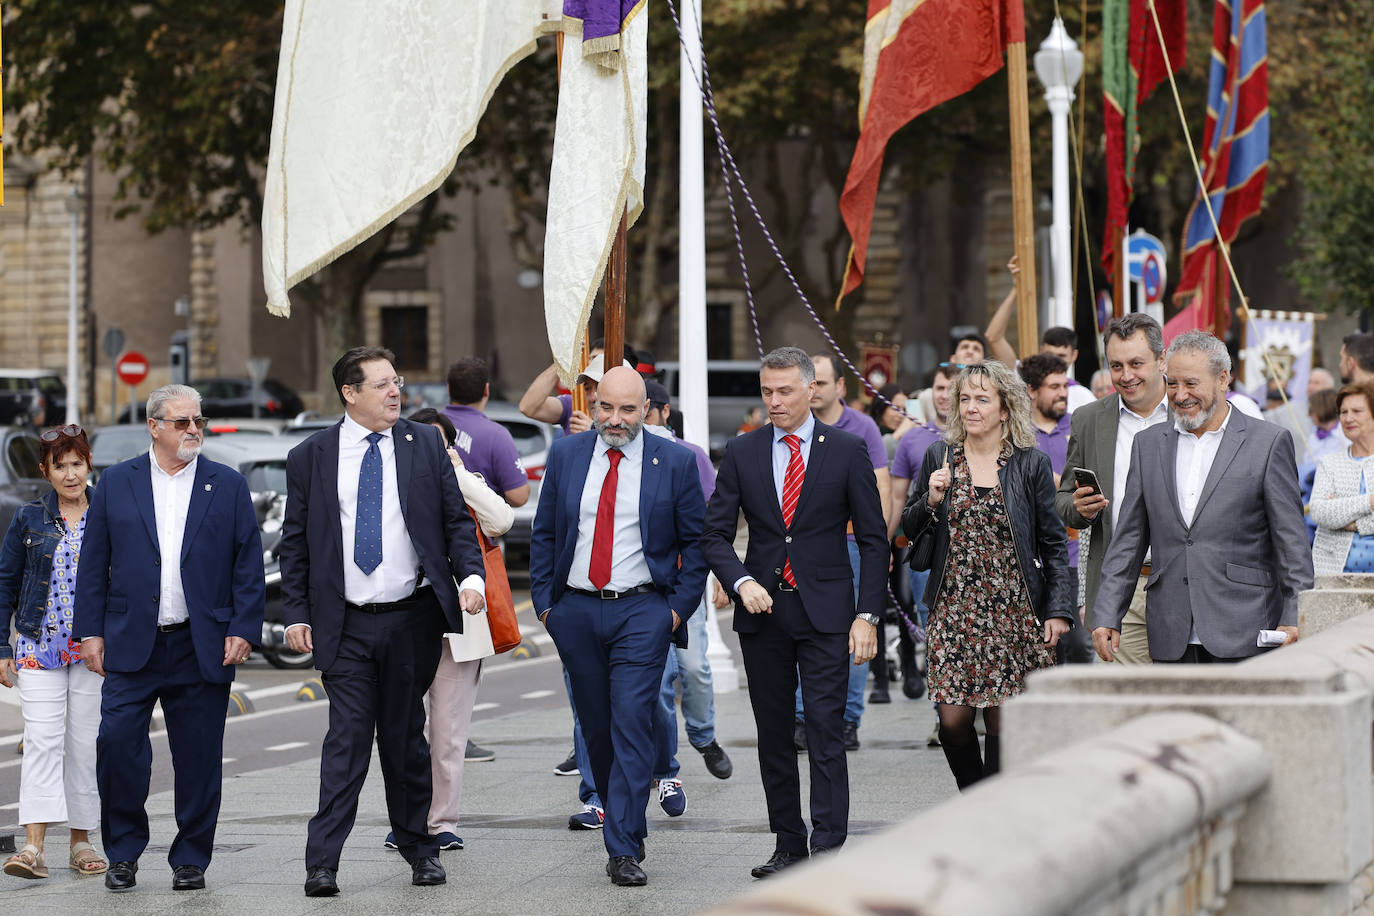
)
(520, 856)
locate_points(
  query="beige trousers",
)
(1135, 641)
(451, 698)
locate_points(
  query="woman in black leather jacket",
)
(999, 587)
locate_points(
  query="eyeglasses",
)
(70, 431)
(399, 381)
(182, 422)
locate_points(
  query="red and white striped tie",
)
(791, 489)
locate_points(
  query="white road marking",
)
(536, 694)
(288, 746)
(10, 807)
(483, 707)
(224, 761)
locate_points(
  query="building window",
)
(405, 332)
(720, 330)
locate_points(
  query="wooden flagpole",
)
(1023, 213)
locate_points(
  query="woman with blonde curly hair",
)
(999, 587)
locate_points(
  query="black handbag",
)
(923, 547)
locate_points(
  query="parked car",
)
(532, 441)
(32, 397)
(113, 444)
(21, 480)
(732, 389)
(225, 397)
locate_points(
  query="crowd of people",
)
(1003, 518)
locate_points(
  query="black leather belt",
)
(173, 627)
(609, 595)
(386, 607)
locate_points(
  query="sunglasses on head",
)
(70, 431)
(181, 423)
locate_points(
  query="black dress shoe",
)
(879, 693)
(321, 882)
(120, 876)
(625, 872)
(717, 761)
(776, 864)
(851, 735)
(188, 878)
(427, 872)
(799, 735)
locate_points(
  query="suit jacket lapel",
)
(814, 464)
(577, 482)
(1168, 465)
(650, 476)
(202, 491)
(143, 497)
(403, 446)
(327, 466)
(1105, 443)
(1231, 442)
(763, 472)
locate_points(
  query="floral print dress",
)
(983, 637)
(55, 647)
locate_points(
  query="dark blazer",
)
(671, 507)
(311, 550)
(1237, 569)
(1041, 545)
(839, 487)
(119, 577)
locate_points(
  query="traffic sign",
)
(1152, 278)
(1140, 244)
(113, 342)
(132, 368)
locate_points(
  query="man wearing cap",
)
(690, 664)
(541, 401)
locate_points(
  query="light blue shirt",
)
(782, 454)
(628, 566)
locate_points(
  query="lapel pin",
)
(409, 437)
(820, 438)
(655, 461)
(208, 488)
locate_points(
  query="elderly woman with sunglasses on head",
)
(59, 697)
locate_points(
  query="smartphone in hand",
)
(1084, 477)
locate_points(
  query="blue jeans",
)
(858, 674)
(919, 578)
(698, 698)
(586, 792)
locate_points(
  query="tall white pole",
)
(73, 367)
(1059, 99)
(691, 398)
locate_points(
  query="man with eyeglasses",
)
(376, 539)
(169, 599)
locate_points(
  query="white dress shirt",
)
(171, 504)
(628, 566)
(1191, 467)
(1128, 425)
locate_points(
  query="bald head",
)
(620, 406)
(1319, 380)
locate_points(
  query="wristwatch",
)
(871, 619)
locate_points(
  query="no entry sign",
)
(132, 368)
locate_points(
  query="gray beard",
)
(1201, 420)
(617, 440)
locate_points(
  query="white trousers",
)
(61, 717)
(451, 698)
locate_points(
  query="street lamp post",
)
(1059, 64)
(73, 367)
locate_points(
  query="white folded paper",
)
(475, 640)
(1267, 638)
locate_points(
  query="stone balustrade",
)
(1141, 821)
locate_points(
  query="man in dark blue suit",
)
(615, 567)
(169, 598)
(376, 540)
(800, 485)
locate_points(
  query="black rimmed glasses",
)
(180, 423)
(70, 431)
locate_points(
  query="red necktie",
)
(600, 569)
(791, 489)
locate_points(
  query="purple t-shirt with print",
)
(487, 448)
(1055, 443)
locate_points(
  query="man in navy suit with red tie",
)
(615, 568)
(799, 483)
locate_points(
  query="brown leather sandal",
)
(27, 863)
(86, 861)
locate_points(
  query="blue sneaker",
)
(390, 841)
(589, 818)
(671, 798)
(449, 840)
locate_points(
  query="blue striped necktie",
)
(367, 534)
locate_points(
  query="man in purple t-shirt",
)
(1047, 382)
(829, 407)
(911, 450)
(485, 446)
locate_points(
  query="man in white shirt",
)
(376, 540)
(1213, 497)
(169, 597)
(1100, 441)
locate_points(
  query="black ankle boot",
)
(992, 754)
(964, 760)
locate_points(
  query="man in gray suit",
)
(1100, 440)
(1214, 497)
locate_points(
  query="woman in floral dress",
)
(999, 587)
(58, 695)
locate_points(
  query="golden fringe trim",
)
(295, 277)
(604, 51)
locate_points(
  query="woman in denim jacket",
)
(59, 697)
